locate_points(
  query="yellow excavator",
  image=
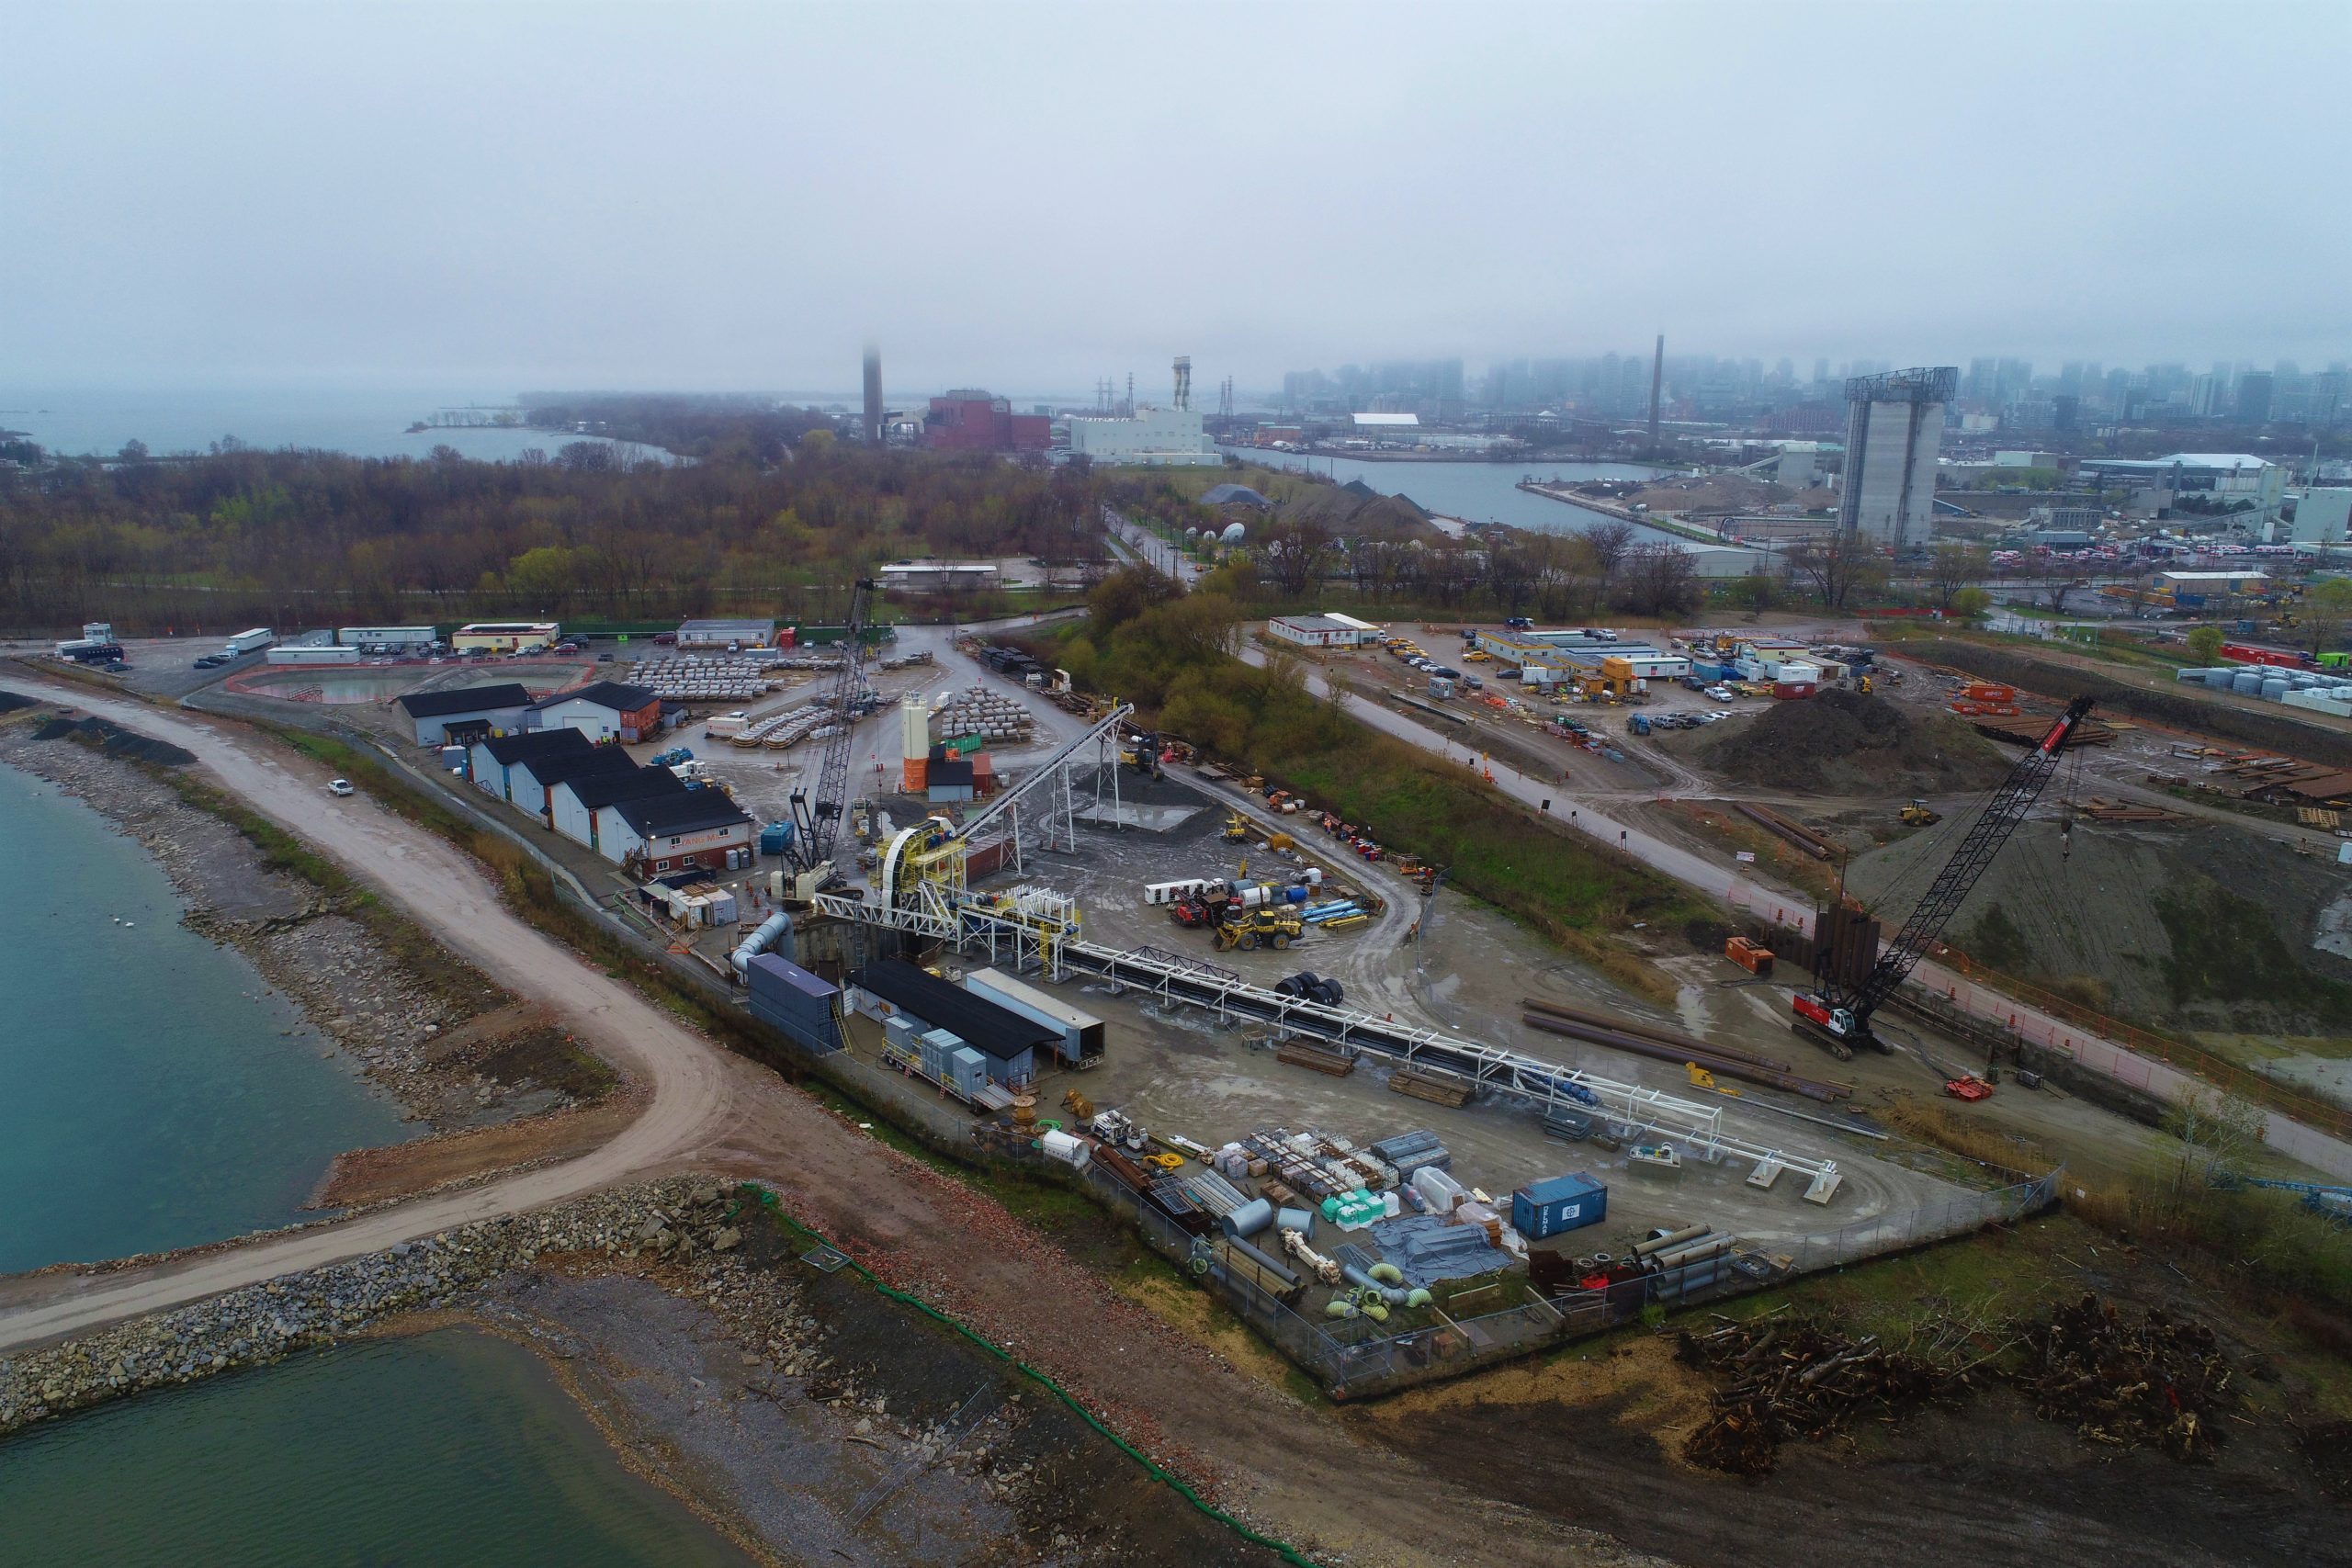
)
(1236, 828)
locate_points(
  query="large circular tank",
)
(2273, 689)
(2247, 683)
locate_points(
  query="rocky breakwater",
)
(674, 1219)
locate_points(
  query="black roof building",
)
(991, 1029)
(567, 765)
(617, 696)
(532, 745)
(466, 699)
(691, 811)
(598, 790)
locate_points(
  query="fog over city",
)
(1035, 196)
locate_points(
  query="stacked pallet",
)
(1317, 1056)
(1433, 1084)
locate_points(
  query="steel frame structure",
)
(1035, 926)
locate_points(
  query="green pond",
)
(451, 1448)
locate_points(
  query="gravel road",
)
(444, 890)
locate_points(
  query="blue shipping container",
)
(1560, 1203)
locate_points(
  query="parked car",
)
(607, 659)
(341, 786)
(210, 662)
(1519, 624)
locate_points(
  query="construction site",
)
(1397, 1134)
(1348, 1099)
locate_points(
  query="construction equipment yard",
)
(1415, 1139)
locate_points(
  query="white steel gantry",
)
(1036, 925)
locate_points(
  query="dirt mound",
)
(115, 741)
(1355, 510)
(1844, 742)
(11, 701)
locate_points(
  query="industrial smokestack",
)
(1658, 380)
(1183, 380)
(873, 396)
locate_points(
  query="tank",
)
(2246, 682)
(2273, 689)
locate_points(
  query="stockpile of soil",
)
(1358, 511)
(11, 701)
(1842, 742)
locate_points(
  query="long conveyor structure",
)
(1028, 926)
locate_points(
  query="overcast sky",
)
(1028, 197)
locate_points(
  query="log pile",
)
(1798, 1378)
(2158, 1381)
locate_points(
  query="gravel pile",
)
(1844, 742)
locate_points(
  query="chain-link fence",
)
(1356, 1358)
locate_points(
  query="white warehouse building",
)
(1154, 438)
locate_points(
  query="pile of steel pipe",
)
(1725, 1067)
(1651, 1032)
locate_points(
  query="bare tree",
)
(2058, 580)
(1832, 567)
(1658, 579)
(1608, 542)
(1293, 554)
(1952, 567)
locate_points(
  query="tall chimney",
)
(1658, 380)
(1183, 380)
(873, 396)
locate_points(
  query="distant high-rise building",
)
(1894, 427)
(1657, 378)
(2254, 398)
(873, 396)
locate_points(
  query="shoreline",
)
(450, 1049)
(787, 1407)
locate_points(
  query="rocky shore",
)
(397, 1006)
(261, 1323)
(793, 1406)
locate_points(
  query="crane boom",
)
(1847, 1016)
(816, 823)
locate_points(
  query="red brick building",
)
(972, 421)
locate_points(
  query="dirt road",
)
(447, 893)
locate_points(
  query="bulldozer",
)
(1918, 815)
(1259, 928)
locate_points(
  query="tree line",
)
(307, 537)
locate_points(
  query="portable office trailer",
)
(1081, 1034)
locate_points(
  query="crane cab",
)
(1818, 1010)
